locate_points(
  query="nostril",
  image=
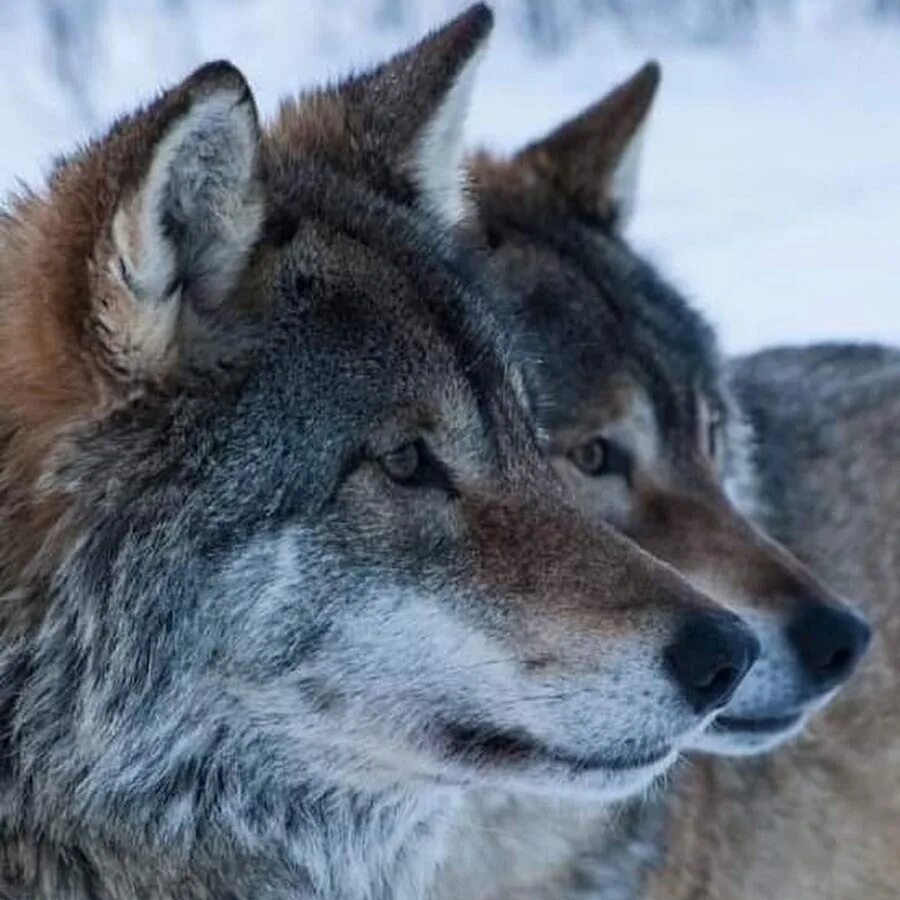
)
(709, 657)
(829, 640)
(724, 680)
(839, 662)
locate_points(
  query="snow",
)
(770, 189)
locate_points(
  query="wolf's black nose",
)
(830, 641)
(712, 652)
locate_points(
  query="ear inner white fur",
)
(436, 164)
(188, 228)
(623, 184)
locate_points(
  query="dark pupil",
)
(592, 456)
(712, 438)
(403, 463)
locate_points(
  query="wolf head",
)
(273, 515)
(624, 378)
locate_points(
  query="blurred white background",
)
(771, 181)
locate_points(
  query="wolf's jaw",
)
(518, 760)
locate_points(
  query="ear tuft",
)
(182, 234)
(592, 161)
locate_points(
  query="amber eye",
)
(402, 463)
(592, 457)
(599, 457)
(414, 465)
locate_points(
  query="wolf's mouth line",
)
(756, 725)
(477, 744)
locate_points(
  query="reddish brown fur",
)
(59, 367)
(643, 593)
(700, 533)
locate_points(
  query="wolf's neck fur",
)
(324, 843)
(540, 848)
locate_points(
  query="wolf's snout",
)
(829, 641)
(711, 654)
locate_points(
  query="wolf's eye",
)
(591, 457)
(599, 456)
(402, 463)
(413, 465)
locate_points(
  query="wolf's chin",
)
(733, 735)
(740, 736)
(596, 784)
(623, 785)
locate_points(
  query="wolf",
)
(638, 415)
(819, 818)
(283, 568)
(628, 390)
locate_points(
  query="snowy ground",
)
(771, 188)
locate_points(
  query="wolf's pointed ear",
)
(417, 105)
(183, 228)
(400, 126)
(592, 161)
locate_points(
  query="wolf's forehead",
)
(620, 408)
(390, 328)
(599, 318)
